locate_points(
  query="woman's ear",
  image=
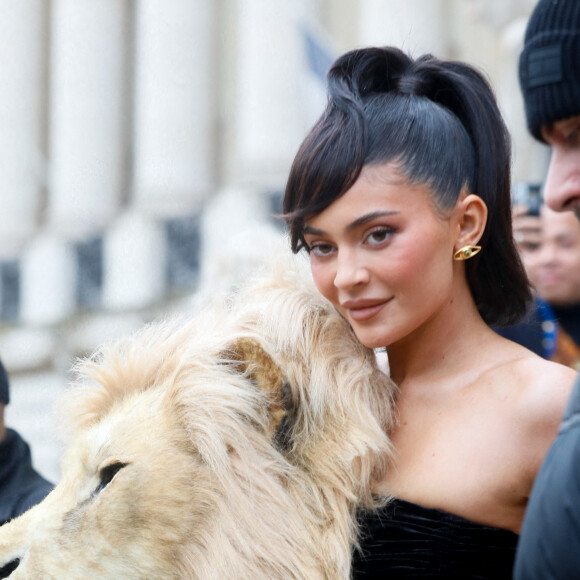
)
(472, 217)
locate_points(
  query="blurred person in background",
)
(549, 244)
(549, 545)
(21, 486)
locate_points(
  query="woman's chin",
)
(370, 340)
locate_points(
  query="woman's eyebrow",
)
(360, 221)
(309, 230)
(369, 217)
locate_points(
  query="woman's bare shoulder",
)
(543, 392)
(542, 389)
(541, 383)
(539, 389)
(545, 378)
(531, 374)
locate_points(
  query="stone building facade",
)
(146, 143)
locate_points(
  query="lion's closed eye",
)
(107, 474)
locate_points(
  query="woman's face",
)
(383, 256)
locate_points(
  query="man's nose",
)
(562, 187)
(548, 253)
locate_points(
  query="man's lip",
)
(550, 280)
(363, 309)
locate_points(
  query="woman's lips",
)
(362, 311)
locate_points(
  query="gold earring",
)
(466, 252)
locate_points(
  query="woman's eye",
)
(320, 249)
(379, 235)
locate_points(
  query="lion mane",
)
(236, 444)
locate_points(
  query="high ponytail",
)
(439, 122)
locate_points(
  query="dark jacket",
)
(21, 486)
(549, 545)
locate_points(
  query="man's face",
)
(562, 187)
(552, 259)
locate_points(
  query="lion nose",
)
(7, 569)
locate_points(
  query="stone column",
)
(21, 155)
(501, 24)
(174, 104)
(47, 281)
(415, 26)
(88, 114)
(269, 93)
(134, 266)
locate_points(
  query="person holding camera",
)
(549, 244)
(549, 545)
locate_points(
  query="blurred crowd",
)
(549, 244)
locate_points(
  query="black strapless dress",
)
(406, 540)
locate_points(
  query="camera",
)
(529, 194)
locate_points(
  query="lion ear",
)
(249, 357)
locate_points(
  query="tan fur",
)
(249, 436)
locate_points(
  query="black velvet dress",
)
(406, 540)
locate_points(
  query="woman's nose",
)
(350, 272)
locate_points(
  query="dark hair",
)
(439, 122)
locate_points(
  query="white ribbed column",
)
(47, 281)
(270, 110)
(174, 103)
(416, 26)
(21, 97)
(227, 260)
(88, 114)
(491, 37)
(134, 266)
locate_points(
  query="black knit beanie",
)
(550, 64)
(4, 390)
